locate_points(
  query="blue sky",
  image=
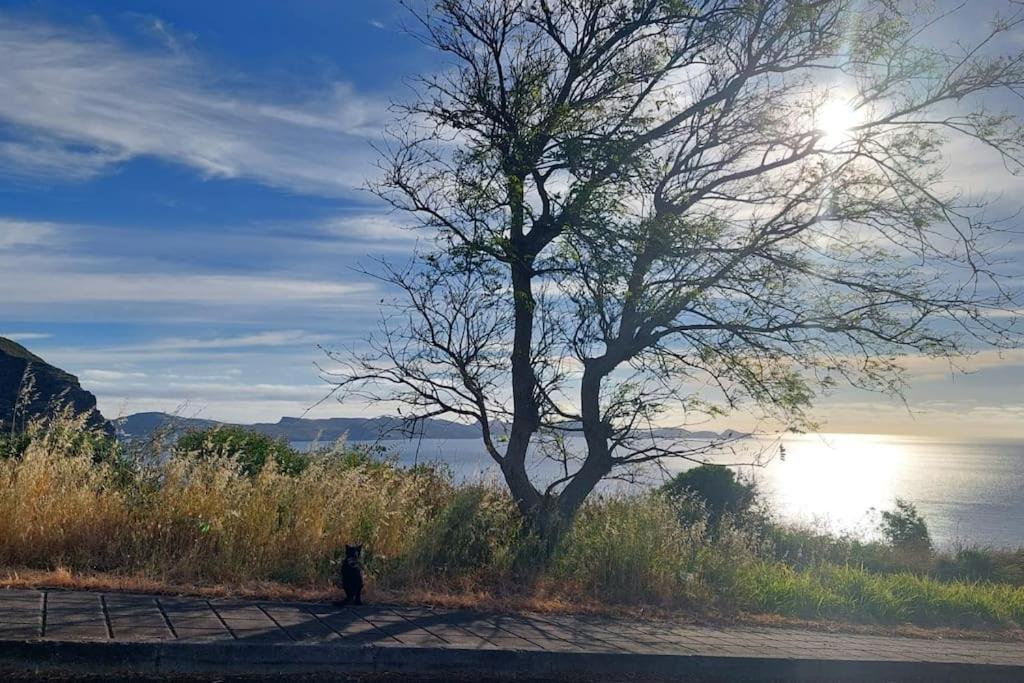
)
(181, 218)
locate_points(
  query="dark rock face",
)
(48, 390)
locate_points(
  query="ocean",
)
(968, 491)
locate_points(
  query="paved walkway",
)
(115, 632)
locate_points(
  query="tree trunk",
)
(554, 517)
(525, 417)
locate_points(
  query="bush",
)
(801, 546)
(13, 445)
(250, 449)
(905, 529)
(982, 564)
(719, 491)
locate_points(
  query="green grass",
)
(802, 546)
(853, 593)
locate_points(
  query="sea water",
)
(968, 491)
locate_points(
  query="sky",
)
(183, 216)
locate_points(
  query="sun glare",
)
(836, 118)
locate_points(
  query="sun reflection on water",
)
(971, 491)
(834, 479)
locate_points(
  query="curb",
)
(255, 659)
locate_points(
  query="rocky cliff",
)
(31, 388)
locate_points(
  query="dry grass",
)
(203, 521)
(72, 516)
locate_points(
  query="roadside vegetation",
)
(230, 508)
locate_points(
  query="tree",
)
(905, 529)
(719, 491)
(660, 209)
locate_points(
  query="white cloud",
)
(42, 281)
(100, 376)
(41, 157)
(15, 233)
(176, 360)
(84, 102)
(165, 33)
(25, 336)
(954, 418)
(374, 228)
(260, 339)
(924, 367)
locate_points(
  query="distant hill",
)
(142, 425)
(364, 429)
(54, 388)
(674, 433)
(45, 388)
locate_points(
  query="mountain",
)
(670, 433)
(364, 429)
(52, 388)
(31, 388)
(143, 425)
(709, 435)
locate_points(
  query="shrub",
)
(720, 492)
(250, 449)
(60, 500)
(211, 520)
(904, 528)
(13, 445)
(969, 563)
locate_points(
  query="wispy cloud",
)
(924, 367)
(380, 230)
(102, 376)
(82, 102)
(16, 233)
(260, 339)
(25, 336)
(39, 157)
(176, 358)
(954, 418)
(165, 32)
(35, 284)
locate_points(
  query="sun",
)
(836, 119)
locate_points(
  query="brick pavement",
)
(172, 629)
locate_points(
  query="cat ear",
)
(347, 547)
(359, 548)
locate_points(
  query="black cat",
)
(351, 575)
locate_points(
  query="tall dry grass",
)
(74, 503)
(60, 509)
(202, 520)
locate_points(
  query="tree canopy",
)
(655, 211)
